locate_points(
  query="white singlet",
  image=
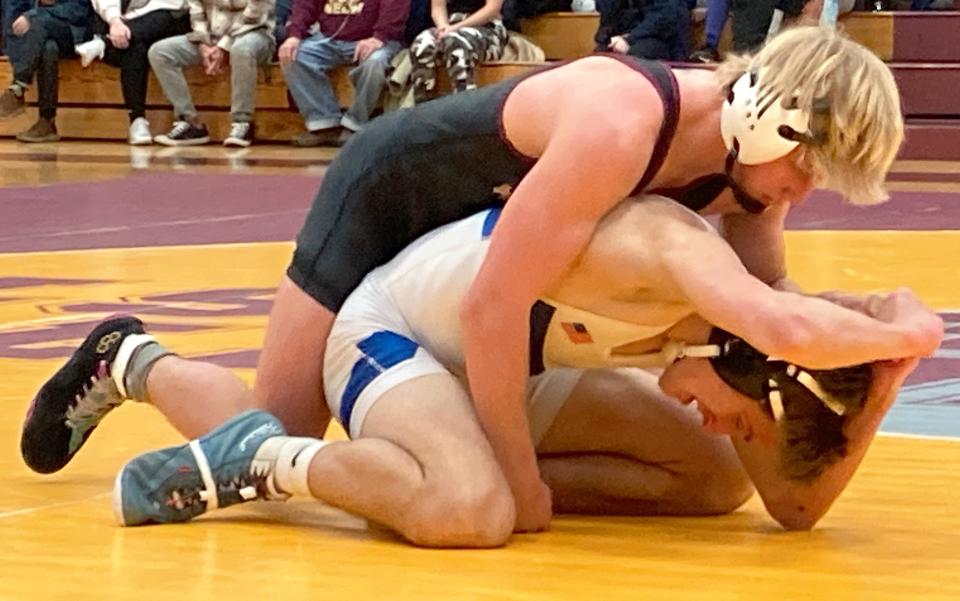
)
(402, 322)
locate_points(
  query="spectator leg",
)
(369, 78)
(466, 47)
(134, 75)
(423, 54)
(828, 16)
(48, 80)
(249, 51)
(309, 84)
(167, 58)
(158, 25)
(717, 12)
(133, 62)
(751, 22)
(27, 50)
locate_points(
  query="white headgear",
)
(756, 125)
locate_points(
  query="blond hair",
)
(865, 122)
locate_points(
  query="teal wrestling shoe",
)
(223, 468)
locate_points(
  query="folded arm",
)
(805, 330)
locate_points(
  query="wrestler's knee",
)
(475, 514)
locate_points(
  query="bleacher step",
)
(931, 140)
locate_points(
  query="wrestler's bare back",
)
(622, 274)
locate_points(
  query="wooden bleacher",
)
(91, 103)
(921, 48)
(893, 36)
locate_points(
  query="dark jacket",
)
(76, 13)
(636, 19)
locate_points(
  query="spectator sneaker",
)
(241, 134)
(71, 403)
(229, 465)
(140, 132)
(184, 134)
(705, 55)
(44, 130)
(91, 51)
(12, 102)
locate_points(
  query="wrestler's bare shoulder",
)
(641, 217)
(599, 95)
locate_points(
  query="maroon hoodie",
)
(350, 20)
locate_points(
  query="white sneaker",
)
(91, 51)
(241, 134)
(140, 132)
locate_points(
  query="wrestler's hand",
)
(534, 508)
(904, 308)
(888, 377)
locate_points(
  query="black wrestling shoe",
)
(71, 403)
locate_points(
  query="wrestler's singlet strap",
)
(666, 84)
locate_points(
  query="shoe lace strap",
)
(256, 483)
(239, 130)
(179, 128)
(97, 398)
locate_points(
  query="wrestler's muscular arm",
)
(596, 153)
(805, 330)
(758, 241)
(826, 334)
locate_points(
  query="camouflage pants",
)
(460, 51)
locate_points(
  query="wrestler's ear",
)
(678, 379)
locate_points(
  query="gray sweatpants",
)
(250, 50)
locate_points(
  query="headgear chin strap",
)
(759, 126)
(748, 203)
(750, 372)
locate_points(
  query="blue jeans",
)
(310, 86)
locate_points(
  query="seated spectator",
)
(641, 28)
(751, 22)
(4, 26)
(41, 35)
(122, 38)
(238, 34)
(792, 13)
(466, 33)
(362, 33)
